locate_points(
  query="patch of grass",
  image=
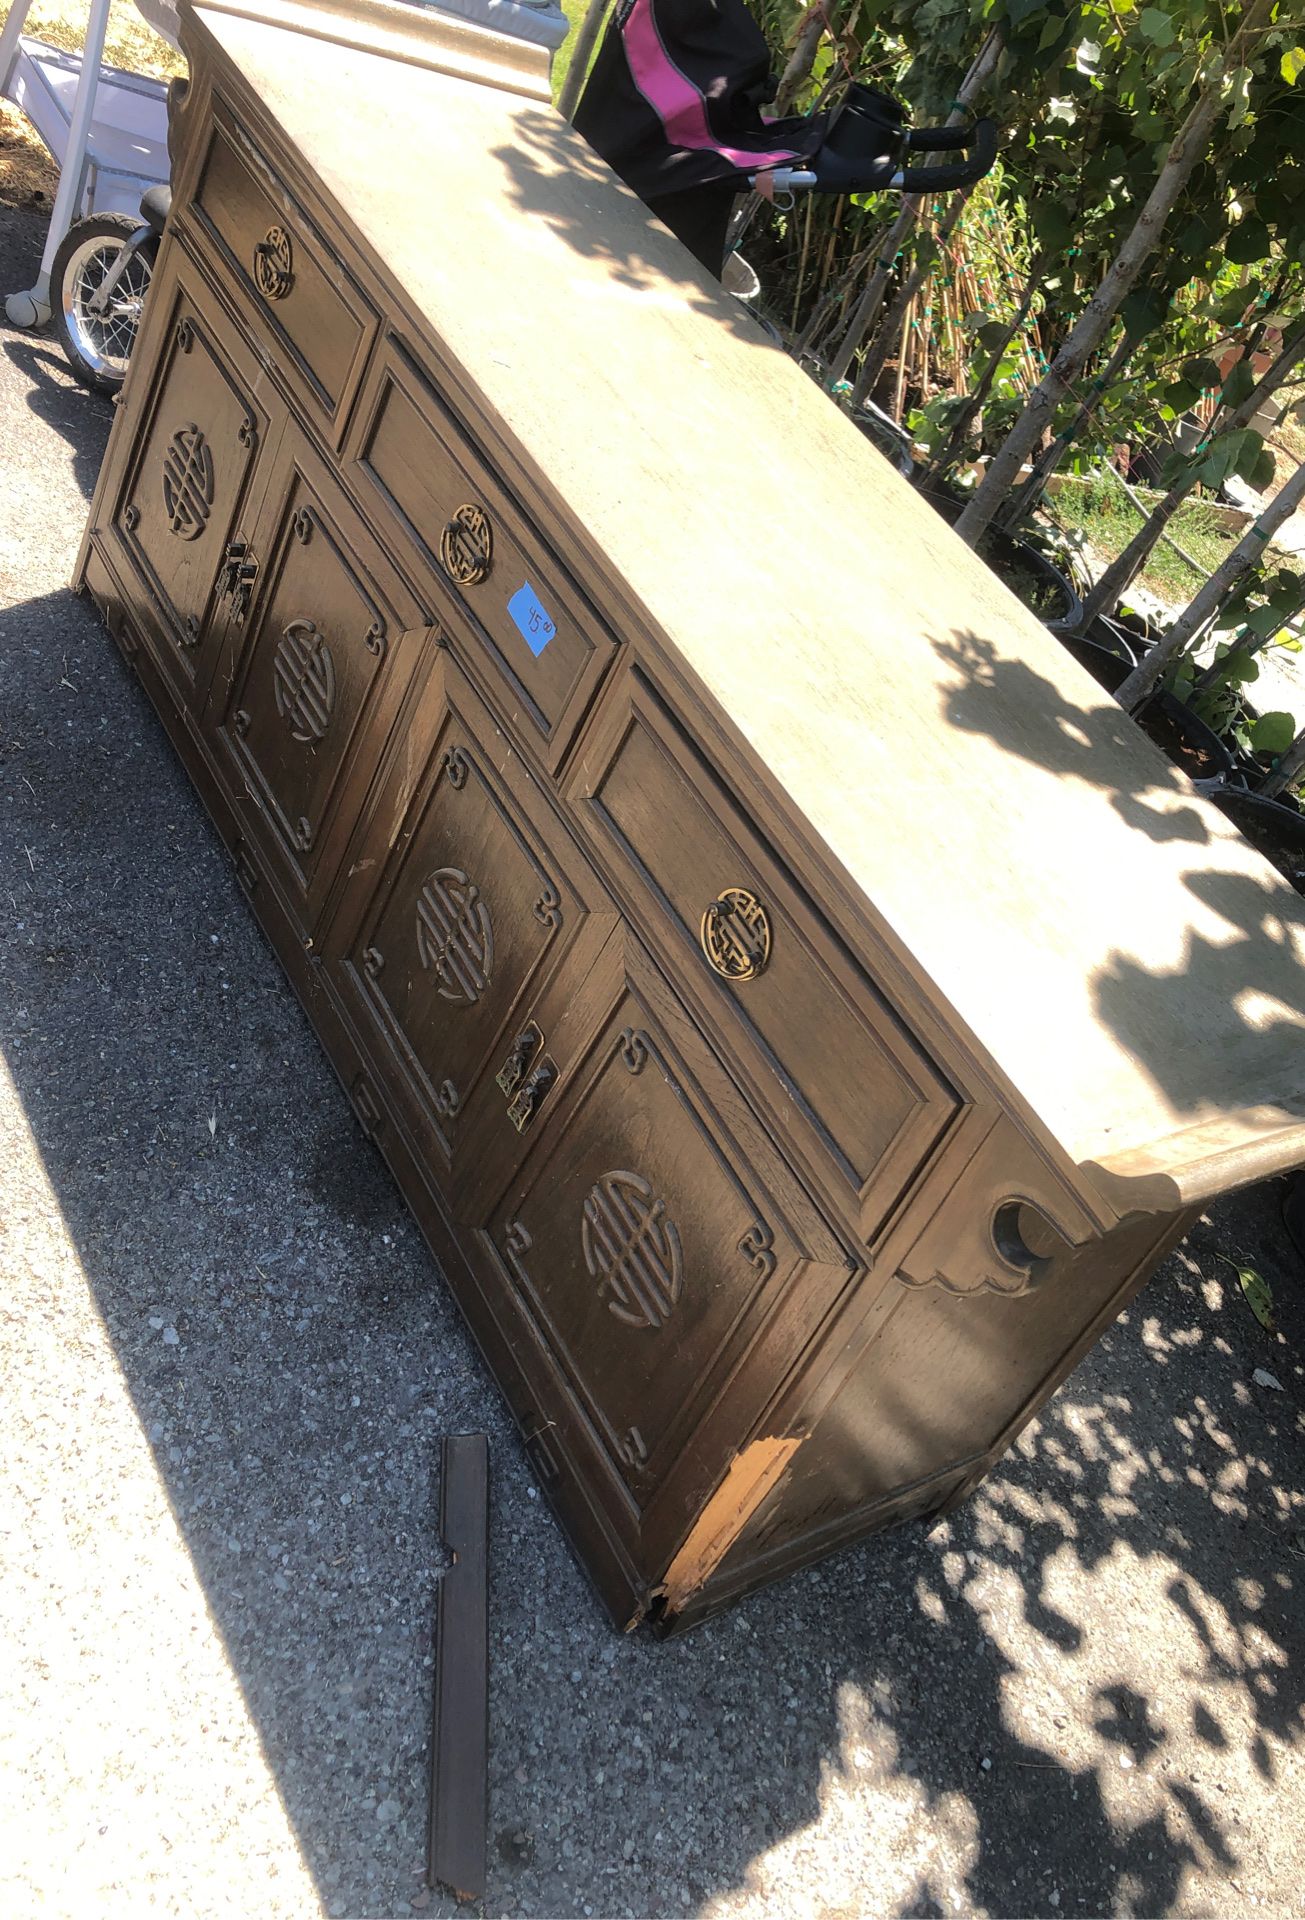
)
(1101, 513)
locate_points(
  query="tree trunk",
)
(1121, 572)
(582, 53)
(1244, 558)
(1287, 772)
(974, 403)
(873, 364)
(803, 57)
(1051, 456)
(1189, 146)
(872, 299)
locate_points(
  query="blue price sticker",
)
(533, 624)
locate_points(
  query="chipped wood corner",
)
(753, 1474)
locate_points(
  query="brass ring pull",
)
(467, 546)
(274, 264)
(736, 935)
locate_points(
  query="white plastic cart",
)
(108, 129)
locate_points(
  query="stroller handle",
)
(981, 139)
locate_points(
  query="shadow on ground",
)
(1124, 1589)
(1083, 1694)
(81, 419)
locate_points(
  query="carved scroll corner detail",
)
(757, 1245)
(634, 1050)
(548, 910)
(456, 767)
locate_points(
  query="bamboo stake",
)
(872, 299)
(873, 364)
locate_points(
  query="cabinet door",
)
(664, 1272)
(310, 679)
(462, 900)
(192, 474)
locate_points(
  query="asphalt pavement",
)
(227, 1359)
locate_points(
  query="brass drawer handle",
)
(736, 935)
(274, 258)
(467, 546)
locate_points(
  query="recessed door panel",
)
(308, 677)
(648, 1248)
(188, 481)
(474, 905)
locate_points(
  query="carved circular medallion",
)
(735, 934)
(274, 264)
(188, 482)
(455, 937)
(467, 546)
(632, 1249)
(303, 681)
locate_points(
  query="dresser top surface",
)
(1131, 965)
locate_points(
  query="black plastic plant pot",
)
(1178, 733)
(1276, 828)
(1113, 639)
(1139, 629)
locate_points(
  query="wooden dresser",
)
(799, 1008)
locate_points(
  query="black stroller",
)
(673, 104)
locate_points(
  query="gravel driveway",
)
(227, 1359)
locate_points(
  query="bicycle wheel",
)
(98, 345)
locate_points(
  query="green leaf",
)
(1250, 449)
(1143, 312)
(1237, 387)
(1292, 65)
(1052, 224)
(992, 335)
(1219, 461)
(1203, 373)
(1248, 241)
(1273, 733)
(1156, 26)
(1262, 473)
(1258, 1296)
(1262, 620)
(1181, 394)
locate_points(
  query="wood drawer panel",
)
(290, 281)
(827, 1057)
(311, 680)
(527, 634)
(670, 1271)
(464, 898)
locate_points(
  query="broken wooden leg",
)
(455, 1854)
